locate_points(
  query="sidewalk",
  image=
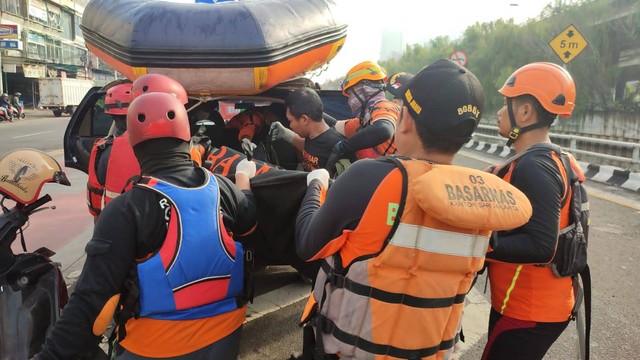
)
(39, 113)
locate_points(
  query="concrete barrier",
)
(601, 173)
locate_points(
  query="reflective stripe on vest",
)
(406, 301)
(198, 271)
(121, 167)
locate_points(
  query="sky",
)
(418, 20)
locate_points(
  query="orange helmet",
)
(151, 83)
(549, 83)
(157, 115)
(366, 70)
(117, 99)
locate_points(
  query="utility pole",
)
(1, 74)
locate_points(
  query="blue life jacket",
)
(198, 271)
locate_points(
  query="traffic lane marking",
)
(32, 134)
(55, 152)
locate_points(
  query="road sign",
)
(459, 57)
(568, 44)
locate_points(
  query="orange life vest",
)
(95, 190)
(531, 291)
(122, 166)
(383, 109)
(405, 300)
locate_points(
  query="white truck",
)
(62, 95)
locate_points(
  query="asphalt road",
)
(272, 331)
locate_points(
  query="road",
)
(272, 331)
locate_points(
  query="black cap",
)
(397, 83)
(445, 98)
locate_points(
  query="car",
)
(278, 188)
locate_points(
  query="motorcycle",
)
(4, 114)
(18, 112)
(32, 288)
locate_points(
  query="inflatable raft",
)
(238, 47)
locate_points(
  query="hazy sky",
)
(418, 24)
(419, 21)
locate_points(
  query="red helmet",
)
(157, 115)
(117, 99)
(151, 83)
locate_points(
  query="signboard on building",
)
(34, 70)
(9, 68)
(568, 44)
(37, 10)
(8, 31)
(11, 44)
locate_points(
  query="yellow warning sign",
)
(568, 44)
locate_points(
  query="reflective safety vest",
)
(122, 166)
(406, 300)
(532, 292)
(198, 271)
(95, 190)
(383, 109)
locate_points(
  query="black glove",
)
(340, 149)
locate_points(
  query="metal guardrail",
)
(633, 161)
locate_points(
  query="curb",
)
(606, 174)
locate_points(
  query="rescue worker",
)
(396, 83)
(370, 133)
(112, 162)
(401, 248)
(530, 307)
(253, 126)
(309, 133)
(185, 304)
(151, 83)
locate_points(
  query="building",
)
(42, 38)
(392, 45)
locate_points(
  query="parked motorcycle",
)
(32, 289)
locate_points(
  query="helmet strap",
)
(515, 129)
(364, 103)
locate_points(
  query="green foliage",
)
(495, 49)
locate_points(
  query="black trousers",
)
(513, 339)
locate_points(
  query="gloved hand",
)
(247, 167)
(320, 174)
(248, 147)
(340, 149)
(279, 132)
